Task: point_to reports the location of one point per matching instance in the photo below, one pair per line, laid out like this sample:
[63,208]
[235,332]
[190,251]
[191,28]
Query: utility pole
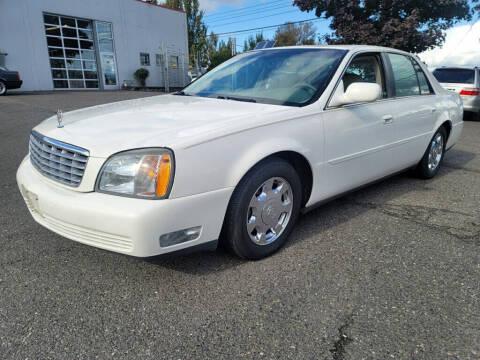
[233,44]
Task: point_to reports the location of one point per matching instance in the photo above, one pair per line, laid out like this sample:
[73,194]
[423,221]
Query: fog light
[181,236]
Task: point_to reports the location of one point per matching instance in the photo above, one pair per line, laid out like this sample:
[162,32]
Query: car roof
[350,48]
[456,67]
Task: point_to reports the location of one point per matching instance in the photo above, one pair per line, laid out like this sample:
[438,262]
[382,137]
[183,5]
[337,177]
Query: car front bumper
[121,224]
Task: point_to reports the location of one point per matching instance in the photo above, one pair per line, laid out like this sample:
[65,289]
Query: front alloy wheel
[269,211]
[263,210]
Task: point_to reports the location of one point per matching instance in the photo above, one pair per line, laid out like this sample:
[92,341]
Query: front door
[359,138]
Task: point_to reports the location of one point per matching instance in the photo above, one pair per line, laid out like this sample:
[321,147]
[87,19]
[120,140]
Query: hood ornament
[60,118]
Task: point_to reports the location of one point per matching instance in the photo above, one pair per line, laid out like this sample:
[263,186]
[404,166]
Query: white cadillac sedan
[240,152]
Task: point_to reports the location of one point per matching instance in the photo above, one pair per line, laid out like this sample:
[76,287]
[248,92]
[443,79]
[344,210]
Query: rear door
[416,105]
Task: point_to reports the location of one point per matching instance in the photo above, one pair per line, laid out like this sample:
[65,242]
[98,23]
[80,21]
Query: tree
[196,28]
[252,41]
[173,4]
[223,53]
[409,25]
[197,33]
[295,34]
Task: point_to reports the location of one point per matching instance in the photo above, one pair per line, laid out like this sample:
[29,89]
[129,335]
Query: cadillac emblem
[60,118]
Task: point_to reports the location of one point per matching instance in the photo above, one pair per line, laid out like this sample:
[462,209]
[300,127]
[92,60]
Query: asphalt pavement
[389,272]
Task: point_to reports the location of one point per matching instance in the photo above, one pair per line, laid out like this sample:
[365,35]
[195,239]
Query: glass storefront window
[71,33]
[104,30]
[68,22]
[90,75]
[87,45]
[88,55]
[107,53]
[106,45]
[56,53]
[84,24]
[74,64]
[72,52]
[76,84]
[57,63]
[91,84]
[85,34]
[60,84]
[109,69]
[52,30]
[54,41]
[51,19]
[89,65]
[59,74]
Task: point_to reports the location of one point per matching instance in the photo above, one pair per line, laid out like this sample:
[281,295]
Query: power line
[245,8]
[254,12]
[266,27]
[252,19]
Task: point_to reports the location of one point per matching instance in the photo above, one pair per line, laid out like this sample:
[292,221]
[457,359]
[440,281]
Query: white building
[92,44]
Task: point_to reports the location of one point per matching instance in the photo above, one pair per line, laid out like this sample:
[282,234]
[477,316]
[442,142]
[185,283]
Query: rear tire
[428,167]
[3,88]
[263,210]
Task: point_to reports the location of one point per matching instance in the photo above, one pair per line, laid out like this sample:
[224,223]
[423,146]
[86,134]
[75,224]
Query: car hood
[158,121]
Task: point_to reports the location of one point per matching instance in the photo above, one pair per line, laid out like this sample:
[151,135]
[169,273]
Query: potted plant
[141,76]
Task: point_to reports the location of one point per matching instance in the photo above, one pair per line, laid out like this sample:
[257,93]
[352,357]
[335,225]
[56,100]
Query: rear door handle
[387,119]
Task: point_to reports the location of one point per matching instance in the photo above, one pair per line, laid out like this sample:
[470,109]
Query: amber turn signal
[163,175]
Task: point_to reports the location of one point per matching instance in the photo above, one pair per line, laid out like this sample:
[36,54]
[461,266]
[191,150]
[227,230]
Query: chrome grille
[58,161]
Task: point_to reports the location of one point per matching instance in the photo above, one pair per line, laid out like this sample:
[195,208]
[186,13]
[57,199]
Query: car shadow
[318,221]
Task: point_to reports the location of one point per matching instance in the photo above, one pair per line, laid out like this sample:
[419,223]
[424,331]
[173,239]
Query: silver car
[464,81]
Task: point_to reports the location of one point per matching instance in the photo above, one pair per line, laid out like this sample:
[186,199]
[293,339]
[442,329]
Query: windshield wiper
[181,93]
[236,98]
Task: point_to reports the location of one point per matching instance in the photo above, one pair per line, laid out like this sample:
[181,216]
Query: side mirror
[356,93]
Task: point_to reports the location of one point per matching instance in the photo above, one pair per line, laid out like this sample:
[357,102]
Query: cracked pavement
[391,271]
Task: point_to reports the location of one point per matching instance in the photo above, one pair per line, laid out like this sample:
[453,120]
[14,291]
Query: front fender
[223,162]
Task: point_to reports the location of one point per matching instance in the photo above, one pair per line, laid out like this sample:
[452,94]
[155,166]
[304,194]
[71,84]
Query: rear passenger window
[405,76]
[425,88]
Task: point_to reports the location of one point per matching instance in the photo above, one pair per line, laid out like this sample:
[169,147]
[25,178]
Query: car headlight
[143,173]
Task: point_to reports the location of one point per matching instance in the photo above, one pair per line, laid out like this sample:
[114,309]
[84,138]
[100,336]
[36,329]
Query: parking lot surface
[391,271]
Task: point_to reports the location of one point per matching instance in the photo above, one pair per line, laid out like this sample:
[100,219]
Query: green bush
[141,76]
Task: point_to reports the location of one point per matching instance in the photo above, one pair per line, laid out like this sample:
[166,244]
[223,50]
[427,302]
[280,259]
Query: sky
[232,15]
[462,45]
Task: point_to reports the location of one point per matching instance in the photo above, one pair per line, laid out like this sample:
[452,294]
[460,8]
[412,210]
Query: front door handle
[387,119]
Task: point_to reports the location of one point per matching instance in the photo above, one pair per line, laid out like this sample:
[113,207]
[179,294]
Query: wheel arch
[295,158]
[448,128]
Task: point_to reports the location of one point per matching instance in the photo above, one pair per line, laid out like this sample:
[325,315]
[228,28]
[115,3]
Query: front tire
[263,210]
[433,157]
[3,88]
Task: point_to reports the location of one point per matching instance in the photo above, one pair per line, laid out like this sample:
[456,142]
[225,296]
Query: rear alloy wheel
[263,210]
[430,163]
[3,88]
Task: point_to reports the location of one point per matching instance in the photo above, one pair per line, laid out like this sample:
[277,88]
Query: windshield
[456,76]
[293,77]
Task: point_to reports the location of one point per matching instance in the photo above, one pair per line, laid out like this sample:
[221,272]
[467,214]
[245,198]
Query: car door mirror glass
[357,92]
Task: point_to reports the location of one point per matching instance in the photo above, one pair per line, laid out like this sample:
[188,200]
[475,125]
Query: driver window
[365,68]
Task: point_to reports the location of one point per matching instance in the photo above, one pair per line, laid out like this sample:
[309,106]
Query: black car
[9,80]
